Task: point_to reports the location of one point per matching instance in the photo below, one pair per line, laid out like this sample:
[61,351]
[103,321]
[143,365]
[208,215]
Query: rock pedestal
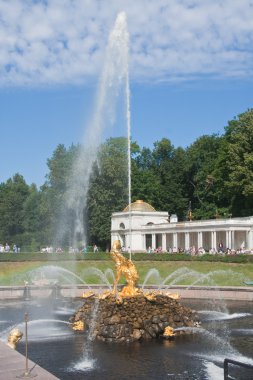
[133,318]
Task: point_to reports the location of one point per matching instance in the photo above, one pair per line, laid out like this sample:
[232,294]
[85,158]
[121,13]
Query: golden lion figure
[126,268]
[14,337]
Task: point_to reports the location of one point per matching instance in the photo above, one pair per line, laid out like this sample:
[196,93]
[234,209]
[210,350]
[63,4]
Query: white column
[187,240]
[214,241]
[200,240]
[143,242]
[153,241]
[250,239]
[175,243]
[128,242]
[229,239]
[164,245]
[232,239]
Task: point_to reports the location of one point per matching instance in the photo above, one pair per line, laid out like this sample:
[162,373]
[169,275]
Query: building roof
[139,206]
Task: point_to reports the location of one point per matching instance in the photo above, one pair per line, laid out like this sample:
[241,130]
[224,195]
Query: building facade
[142,228]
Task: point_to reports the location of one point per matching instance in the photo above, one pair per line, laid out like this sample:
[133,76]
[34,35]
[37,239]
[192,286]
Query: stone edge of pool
[244,293]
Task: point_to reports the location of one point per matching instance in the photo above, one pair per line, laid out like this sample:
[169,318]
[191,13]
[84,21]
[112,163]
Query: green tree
[204,184]
[170,167]
[32,219]
[239,163]
[13,195]
[108,190]
[36,219]
[53,202]
[145,181]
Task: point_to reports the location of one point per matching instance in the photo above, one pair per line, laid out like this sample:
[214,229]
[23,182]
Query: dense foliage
[214,175]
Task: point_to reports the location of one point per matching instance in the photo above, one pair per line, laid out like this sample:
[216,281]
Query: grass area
[180,272]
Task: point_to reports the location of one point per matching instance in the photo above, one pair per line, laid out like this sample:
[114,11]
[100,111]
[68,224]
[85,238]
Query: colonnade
[233,234]
[232,239]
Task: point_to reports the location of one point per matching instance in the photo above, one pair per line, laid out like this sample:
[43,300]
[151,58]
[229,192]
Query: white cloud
[63,41]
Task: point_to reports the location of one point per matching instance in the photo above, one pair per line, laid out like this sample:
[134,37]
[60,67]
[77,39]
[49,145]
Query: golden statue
[126,268]
[88,294]
[169,332]
[14,337]
[78,326]
[174,296]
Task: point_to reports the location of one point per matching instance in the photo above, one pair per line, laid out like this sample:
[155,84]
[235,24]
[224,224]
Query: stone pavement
[12,366]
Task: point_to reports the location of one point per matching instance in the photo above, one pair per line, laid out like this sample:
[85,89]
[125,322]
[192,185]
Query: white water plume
[109,274]
[85,364]
[46,329]
[152,274]
[93,271]
[88,361]
[185,275]
[220,316]
[179,274]
[50,275]
[113,79]
[208,277]
[213,371]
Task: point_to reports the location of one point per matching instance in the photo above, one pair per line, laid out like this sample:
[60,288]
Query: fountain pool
[225,333]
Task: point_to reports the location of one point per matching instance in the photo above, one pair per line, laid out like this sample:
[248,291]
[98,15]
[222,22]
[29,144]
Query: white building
[140,226]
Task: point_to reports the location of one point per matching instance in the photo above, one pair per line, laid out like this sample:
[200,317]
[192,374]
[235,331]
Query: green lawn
[180,272]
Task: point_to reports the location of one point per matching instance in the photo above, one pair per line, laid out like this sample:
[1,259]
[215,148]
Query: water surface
[226,332]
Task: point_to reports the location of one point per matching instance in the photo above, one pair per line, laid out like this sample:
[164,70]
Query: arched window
[122,226]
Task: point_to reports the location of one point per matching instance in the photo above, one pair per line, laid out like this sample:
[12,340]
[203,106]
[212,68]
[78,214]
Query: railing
[234,362]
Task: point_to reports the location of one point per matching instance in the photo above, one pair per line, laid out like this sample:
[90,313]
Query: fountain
[130,314]
[54,281]
[113,82]
[160,343]
[192,352]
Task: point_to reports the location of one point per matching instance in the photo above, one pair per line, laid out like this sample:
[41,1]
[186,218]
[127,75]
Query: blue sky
[191,70]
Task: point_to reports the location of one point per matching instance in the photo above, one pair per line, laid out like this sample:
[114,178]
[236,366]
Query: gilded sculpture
[124,267]
[168,332]
[14,337]
[78,326]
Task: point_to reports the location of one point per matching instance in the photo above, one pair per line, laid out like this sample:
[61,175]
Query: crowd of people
[6,248]
[72,250]
[193,251]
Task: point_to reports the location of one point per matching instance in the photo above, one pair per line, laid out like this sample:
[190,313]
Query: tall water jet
[113,79]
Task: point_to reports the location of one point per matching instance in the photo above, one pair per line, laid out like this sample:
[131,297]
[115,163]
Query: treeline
[213,176]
